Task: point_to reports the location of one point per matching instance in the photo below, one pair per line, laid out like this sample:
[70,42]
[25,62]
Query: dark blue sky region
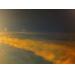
[40,20]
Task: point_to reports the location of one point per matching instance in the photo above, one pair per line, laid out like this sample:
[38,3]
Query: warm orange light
[57,53]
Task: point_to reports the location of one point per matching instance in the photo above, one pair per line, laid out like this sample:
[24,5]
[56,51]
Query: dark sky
[38,20]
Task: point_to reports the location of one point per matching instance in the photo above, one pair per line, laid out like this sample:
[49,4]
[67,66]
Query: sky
[45,20]
[37,20]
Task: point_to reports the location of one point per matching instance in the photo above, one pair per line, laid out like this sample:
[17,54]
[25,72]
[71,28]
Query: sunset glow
[57,53]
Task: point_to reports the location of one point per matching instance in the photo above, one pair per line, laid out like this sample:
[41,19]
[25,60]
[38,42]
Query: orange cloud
[57,53]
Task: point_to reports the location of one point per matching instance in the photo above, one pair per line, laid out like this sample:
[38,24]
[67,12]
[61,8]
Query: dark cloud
[40,20]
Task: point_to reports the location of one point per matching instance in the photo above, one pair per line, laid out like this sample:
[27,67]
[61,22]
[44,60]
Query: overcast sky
[38,20]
